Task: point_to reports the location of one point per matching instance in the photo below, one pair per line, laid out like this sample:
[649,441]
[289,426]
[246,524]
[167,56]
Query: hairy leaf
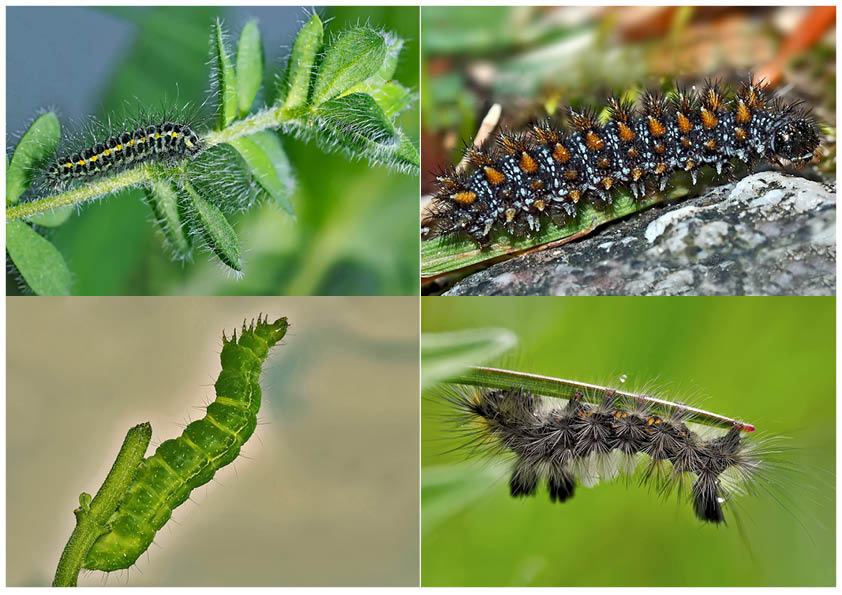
[39,262]
[226,79]
[34,150]
[215,229]
[249,66]
[269,165]
[357,54]
[163,200]
[359,125]
[295,86]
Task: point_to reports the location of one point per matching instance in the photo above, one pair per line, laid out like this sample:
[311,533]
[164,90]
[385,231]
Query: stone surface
[767,234]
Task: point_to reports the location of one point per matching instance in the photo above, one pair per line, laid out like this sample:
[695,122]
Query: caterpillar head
[795,140]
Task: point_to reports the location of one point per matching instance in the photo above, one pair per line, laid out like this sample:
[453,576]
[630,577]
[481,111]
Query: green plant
[138,496]
[338,93]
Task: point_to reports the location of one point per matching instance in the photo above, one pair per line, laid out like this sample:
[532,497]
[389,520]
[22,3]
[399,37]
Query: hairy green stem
[92,515]
[271,118]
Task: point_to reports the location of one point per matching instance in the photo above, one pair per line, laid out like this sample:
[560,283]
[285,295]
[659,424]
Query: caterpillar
[164,480]
[166,141]
[542,175]
[602,434]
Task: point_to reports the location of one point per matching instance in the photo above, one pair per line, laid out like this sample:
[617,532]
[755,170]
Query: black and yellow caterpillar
[166,141]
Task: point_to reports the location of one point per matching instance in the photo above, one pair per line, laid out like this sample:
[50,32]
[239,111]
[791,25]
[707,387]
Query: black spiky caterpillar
[541,175]
[164,480]
[563,442]
[167,141]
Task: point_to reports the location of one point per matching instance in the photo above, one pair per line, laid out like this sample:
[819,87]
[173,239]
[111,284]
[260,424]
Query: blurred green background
[769,361]
[356,226]
[326,492]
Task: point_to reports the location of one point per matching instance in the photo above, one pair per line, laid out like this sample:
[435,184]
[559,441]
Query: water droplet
[623,378]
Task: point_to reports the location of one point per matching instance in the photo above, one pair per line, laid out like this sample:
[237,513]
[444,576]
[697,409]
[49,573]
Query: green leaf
[52,218]
[357,54]
[361,128]
[394,45]
[163,200]
[249,66]
[443,255]
[215,229]
[269,165]
[392,97]
[295,87]
[384,74]
[34,150]
[226,79]
[445,355]
[357,117]
[406,153]
[39,262]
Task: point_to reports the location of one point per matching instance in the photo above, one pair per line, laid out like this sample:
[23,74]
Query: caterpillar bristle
[599,437]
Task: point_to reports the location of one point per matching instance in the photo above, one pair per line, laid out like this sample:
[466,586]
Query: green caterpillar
[165,480]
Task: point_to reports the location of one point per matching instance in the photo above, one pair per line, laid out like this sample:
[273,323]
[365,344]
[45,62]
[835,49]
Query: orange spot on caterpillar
[637,173]
[574,195]
[527,163]
[633,153]
[740,133]
[94,158]
[708,119]
[560,153]
[571,174]
[690,164]
[626,133]
[540,205]
[686,142]
[684,123]
[660,168]
[536,184]
[593,141]
[710,144]
[660,149]
[655,127]
[607,182]
[743,113]
[465,197]
[493,176]
[604,162]
[510,215]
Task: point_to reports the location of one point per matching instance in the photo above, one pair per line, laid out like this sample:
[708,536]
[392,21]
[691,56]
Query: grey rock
[767,234]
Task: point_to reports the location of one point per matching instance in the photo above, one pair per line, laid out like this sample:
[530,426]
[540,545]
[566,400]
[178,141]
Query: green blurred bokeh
[355,231]
[769,361]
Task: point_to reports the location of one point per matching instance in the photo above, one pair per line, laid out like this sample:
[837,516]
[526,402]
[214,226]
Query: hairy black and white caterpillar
[566,442]
[167,141]
[180,465]
[542,175]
